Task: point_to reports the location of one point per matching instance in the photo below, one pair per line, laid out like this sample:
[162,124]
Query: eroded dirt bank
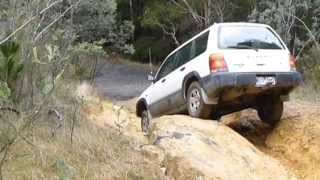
[239,147]
[295,141]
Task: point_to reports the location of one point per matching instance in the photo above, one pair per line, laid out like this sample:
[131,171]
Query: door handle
[182,69]
[163,80]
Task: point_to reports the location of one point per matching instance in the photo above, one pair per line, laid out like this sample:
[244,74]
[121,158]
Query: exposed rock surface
[190,148]
[197,148]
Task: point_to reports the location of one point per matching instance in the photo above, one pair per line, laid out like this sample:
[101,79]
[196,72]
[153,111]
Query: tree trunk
[132,17]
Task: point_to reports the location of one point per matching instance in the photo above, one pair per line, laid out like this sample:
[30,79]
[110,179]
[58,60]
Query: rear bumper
[216,83]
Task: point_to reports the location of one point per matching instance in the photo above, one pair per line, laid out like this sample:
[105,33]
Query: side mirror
[151,77]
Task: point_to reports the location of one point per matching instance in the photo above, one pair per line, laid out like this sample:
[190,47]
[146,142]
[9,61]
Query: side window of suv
[183,55]
[200,44]
[192,50]
[167,67]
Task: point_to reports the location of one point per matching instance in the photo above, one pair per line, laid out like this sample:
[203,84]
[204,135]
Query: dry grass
[307,93]
[96,152]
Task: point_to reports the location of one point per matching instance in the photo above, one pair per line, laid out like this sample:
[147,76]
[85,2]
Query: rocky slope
[195,148]
[239,147]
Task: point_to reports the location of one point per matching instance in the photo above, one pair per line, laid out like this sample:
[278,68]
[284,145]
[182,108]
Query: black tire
[216,117]
[197,109]
[270,111]
[145,121]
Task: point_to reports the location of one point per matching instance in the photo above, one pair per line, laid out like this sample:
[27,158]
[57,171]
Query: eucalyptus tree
[163,15]
[295,20]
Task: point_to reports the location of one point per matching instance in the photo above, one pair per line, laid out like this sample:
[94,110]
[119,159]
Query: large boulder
[189,148]
[206,149]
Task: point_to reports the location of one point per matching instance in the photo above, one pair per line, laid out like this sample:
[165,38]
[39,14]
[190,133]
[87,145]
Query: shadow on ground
[253,130]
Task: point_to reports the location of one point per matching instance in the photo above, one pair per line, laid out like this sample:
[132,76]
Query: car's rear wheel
[270,110]
[145,121]
[196,106]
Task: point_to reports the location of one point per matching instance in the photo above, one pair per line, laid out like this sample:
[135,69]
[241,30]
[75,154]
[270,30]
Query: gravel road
[121,82]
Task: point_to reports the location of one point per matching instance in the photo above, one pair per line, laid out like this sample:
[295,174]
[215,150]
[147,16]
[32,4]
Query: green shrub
[10,66]
[96,21]
[5,92]
[85,58]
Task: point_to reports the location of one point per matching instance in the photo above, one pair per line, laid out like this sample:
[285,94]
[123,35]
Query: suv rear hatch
[253,49]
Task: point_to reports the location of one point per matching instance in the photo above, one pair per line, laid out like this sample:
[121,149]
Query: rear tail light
[217,63]
[292,62]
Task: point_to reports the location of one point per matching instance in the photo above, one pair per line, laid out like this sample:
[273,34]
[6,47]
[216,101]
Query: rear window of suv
[248,37]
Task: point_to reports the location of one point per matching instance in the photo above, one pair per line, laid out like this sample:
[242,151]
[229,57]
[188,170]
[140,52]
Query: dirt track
[120,82]
[295,142]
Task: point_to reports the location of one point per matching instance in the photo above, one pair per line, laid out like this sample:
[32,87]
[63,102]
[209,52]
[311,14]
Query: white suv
[226,68]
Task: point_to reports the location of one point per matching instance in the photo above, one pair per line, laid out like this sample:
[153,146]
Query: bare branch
[50,6]
[303,48]
[41,19]
[170,31]
[56,20]
[178,5]
[186,7]
[17,30]
[29,21]
[307,28]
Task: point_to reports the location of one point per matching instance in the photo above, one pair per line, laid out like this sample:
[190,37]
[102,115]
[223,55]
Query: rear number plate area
[263,81]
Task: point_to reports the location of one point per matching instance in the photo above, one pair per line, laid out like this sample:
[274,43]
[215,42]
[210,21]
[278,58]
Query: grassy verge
[306,93]
[95,152]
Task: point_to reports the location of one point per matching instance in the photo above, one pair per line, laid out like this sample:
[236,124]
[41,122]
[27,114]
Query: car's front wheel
[145,121]
[196,106]
[270,110]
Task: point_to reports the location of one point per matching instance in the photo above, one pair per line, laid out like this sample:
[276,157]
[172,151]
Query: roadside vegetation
[49,47]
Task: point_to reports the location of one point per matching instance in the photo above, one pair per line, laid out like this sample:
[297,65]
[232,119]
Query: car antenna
[150,61]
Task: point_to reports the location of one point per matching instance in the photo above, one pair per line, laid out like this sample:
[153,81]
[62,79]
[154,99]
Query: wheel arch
[188,79]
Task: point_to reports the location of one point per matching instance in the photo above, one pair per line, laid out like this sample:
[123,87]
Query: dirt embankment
[295,142]
[239,147]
